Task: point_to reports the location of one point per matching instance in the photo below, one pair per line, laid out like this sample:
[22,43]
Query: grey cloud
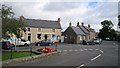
[61,6]
[53,10]
[22,8]
[119,7]
[104,10]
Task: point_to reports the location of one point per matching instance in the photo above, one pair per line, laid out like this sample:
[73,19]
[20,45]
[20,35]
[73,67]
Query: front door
[29,37]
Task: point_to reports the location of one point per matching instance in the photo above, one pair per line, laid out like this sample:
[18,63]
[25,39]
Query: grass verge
[6,55]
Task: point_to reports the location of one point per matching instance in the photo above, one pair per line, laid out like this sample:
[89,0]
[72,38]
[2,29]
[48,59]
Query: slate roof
[43,23]
[77,30]
[89,29]
[84,29]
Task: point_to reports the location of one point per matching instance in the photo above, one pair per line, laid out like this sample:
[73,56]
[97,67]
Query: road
[80,56]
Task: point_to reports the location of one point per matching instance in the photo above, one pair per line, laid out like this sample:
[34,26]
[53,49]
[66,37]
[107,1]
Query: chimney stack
[78,24]
[82,24]
[59,20]
[70,24]
[89,25]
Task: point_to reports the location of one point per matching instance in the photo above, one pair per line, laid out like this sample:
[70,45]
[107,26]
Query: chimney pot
[59,20]
[89,25]
[70,24]
[77,23]
[82,24]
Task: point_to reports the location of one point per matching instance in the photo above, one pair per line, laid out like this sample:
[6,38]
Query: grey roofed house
[43,23]
[77,30]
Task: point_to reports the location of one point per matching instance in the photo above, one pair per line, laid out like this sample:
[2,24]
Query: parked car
[108,39]
[84,42]
[6,45]
[97,41]
[90,42]
[18,41]
[23,42]
[44,43]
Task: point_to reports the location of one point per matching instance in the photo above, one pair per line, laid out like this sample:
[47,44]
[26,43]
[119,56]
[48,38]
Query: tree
[10,25]
[7,12]
[107,31]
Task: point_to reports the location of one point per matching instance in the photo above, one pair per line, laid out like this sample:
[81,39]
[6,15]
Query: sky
[89,11]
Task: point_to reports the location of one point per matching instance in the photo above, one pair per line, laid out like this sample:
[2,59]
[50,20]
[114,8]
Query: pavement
[78,55]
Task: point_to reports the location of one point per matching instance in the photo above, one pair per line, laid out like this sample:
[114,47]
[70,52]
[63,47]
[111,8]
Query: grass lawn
[7,54]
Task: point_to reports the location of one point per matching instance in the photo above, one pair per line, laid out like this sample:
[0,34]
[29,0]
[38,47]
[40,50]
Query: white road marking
[81,66]
[85,49]
[101,51]
[59,51]
[70,50]
[96,49]
[64,50]
[96,57]
[81,49]
[76,50]
[90,49]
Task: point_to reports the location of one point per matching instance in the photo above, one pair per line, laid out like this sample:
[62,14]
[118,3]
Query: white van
[19,42]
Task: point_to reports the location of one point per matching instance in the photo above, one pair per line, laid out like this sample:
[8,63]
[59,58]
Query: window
[39,36]
[53,35]
[23,40]
[28,29]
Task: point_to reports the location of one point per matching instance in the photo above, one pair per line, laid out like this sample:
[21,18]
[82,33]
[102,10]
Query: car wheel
[26,44]
[12,45]
[50,44]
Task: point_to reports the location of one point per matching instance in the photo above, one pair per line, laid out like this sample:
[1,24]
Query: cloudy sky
[89,12]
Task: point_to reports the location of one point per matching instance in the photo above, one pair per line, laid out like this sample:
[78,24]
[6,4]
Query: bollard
[11,53]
